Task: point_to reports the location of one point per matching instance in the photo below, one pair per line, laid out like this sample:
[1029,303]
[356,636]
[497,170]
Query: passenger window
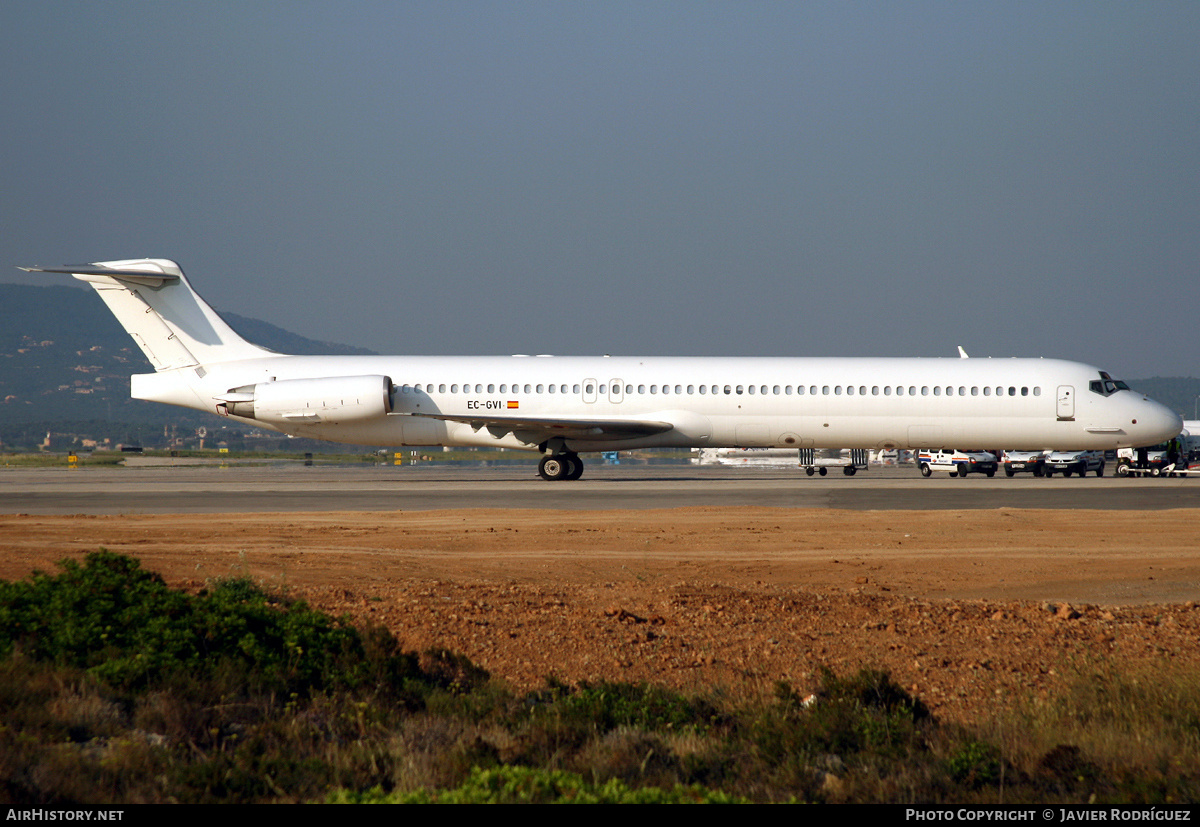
[575,388]
[539,388]
[937,391]
[1024,391]
[728,390]
[703,388]
[1012,391]
[441,388]
[1037,391]
[641,388]
[654,389]
[454,389]
[749,389]
[550,388]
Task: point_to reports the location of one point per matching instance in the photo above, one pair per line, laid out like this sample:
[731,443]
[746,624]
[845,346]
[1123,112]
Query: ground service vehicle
[1171,457]
[820,460]
[958,463]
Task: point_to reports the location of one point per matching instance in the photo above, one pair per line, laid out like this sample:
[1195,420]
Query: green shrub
[602,707]
[124,626]
[520,785]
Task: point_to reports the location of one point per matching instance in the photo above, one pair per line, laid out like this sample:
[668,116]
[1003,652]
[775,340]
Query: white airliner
[563,406]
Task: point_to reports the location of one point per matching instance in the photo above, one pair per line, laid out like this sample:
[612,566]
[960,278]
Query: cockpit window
[1106,385]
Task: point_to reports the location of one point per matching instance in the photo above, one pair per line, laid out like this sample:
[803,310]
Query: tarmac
[294,487]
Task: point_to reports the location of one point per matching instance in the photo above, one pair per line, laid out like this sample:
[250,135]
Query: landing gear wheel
[554,468]
[849,470]
[576,468]
[1123,468]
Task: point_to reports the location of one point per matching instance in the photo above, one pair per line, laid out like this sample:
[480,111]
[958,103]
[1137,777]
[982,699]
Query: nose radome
[1161,423]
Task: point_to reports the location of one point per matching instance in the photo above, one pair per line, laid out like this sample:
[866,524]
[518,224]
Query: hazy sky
[782,178]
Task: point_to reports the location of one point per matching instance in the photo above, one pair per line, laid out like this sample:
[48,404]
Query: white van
[1075,462]
[958,463]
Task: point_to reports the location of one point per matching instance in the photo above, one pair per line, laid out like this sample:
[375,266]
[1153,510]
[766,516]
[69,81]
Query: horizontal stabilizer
[153,301]
[135,276]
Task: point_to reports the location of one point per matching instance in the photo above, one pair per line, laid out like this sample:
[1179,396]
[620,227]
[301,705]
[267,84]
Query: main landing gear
[561,467]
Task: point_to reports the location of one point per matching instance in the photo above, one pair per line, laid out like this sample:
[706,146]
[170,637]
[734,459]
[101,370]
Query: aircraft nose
[1156,422]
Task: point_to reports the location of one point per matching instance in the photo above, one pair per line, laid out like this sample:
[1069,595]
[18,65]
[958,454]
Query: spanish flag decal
[512,405]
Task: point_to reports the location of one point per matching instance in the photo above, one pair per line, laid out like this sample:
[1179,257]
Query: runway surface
[289,487]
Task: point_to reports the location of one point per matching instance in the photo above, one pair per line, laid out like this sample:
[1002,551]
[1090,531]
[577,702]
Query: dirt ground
[969,609]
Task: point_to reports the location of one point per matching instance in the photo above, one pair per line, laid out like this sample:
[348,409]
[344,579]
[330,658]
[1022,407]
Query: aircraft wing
[567,428]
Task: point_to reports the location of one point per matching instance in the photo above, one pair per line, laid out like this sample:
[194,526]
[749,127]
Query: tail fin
[156,305]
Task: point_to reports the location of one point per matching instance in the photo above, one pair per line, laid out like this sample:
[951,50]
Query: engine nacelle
[329,401]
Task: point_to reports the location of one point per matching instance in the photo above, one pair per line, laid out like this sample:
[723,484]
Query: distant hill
[64,358]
